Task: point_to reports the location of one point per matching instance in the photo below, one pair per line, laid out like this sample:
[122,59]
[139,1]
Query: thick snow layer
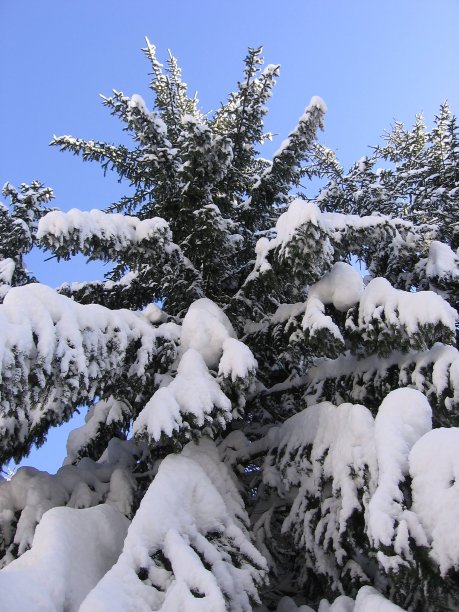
[7,267]
[287,604]
[285,312]
[442,262]
[30,493]
[204,329]
[339,222]
[342,286]
[403,417]
[333,461]
[44,335]
[340,604]
[154,314]
[368,600]
[194,393]
[122,231]
[395,307]
[434,468]
[328,453]
[340,437]
[299,213]
[237,360]
[178,551]
[207,342]
[71,551]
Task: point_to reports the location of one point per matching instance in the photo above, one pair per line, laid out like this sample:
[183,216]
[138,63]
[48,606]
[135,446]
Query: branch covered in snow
[195,399]
[31,493]
[187,546]
[434,372]
[55,354]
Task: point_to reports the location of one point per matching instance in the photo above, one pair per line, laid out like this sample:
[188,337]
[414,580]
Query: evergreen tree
[265,428]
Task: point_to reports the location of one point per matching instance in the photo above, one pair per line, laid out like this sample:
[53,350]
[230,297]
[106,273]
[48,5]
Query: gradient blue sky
[372,62]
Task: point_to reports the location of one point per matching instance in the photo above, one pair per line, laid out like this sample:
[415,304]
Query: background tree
[293,464]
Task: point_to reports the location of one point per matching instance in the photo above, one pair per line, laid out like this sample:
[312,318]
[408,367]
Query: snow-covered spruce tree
[265,429]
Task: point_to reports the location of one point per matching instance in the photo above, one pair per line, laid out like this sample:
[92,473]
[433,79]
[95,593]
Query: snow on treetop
[317,102]
[272,69]
[136,101]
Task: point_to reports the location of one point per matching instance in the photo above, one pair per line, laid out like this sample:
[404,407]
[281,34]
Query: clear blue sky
[372,62]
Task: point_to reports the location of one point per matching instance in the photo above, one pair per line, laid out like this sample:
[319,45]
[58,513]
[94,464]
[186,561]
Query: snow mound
[442,261]
[237,360]
[72,550]
[204,329]
[369,598]
[403,417]
[179,548]
[342,286]
[434,468]
[30,493]
[194,398]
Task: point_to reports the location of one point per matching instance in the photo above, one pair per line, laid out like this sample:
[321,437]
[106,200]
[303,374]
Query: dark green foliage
[18,227]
